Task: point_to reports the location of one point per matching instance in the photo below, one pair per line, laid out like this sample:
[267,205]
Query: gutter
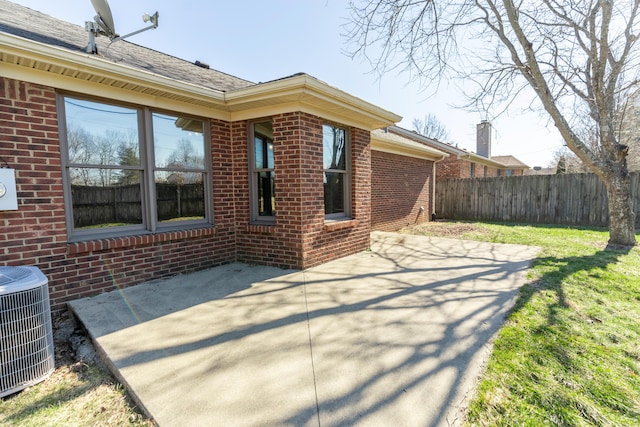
[433,196]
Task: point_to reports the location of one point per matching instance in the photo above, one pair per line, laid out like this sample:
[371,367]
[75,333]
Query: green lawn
[569,352]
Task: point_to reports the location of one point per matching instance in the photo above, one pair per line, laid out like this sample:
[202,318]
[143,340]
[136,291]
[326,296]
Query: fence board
[94,205]
[572,199]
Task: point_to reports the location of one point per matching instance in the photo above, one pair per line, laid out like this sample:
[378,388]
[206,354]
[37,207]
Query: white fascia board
[394,144]
[310,91]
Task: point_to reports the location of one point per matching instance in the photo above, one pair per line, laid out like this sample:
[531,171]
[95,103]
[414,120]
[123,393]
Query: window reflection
[179,148]
[178,199]
[333,193]
[333,141]
[334,145]
[111,182]
[178,142]
[262,174]
[102,199]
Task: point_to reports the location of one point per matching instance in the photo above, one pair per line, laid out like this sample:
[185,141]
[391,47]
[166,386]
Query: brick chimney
[483,139]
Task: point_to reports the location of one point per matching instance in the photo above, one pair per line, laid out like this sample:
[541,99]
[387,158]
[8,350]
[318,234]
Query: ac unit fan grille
[26,339]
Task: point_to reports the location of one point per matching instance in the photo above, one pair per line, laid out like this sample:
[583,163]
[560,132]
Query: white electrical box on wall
[8,193]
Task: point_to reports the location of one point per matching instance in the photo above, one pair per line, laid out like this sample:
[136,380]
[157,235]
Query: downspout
[433,192]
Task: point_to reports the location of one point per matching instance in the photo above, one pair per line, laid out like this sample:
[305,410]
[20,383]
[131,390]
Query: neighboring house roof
[501,162]
[443,146]
[510,162]
[37,48]
[382,140]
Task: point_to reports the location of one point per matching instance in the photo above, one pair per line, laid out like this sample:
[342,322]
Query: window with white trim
[337,172]
[131,170]
[262,173]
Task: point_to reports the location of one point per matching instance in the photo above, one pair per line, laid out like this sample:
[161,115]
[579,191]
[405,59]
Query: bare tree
[565,161]
[81,148]
[430,126]
[630,130]
[575,59]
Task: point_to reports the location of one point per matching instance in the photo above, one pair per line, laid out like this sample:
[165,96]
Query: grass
[76,394]
[569,352]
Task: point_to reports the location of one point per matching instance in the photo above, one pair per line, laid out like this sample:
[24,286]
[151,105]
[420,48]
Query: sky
[263,40]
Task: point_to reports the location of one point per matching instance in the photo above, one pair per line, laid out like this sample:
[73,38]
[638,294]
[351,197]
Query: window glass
[266,197]
[333,141]
[263,152]
[121,179]
[336,177]
[103,150]
[102,198]
[178,142]
[179,157]
[263,201]
[333,193]
[179,196]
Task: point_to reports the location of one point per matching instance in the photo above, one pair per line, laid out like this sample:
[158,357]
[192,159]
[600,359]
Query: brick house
[132,165]
[465,164]
[147,165]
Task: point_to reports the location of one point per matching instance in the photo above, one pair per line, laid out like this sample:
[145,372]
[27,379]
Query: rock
[86,353]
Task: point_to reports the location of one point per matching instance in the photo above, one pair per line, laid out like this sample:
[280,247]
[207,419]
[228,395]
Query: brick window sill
[340,224]
[137,241]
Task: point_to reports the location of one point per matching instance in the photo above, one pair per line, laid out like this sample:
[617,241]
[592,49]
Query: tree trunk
[622,228]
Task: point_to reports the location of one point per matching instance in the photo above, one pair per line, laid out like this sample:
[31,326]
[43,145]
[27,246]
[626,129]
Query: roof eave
[52,60]
[308,94]
[482,160]
[395,146]
[37,62]
[438,145]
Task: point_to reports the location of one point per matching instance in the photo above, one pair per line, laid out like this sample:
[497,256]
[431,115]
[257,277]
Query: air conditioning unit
[26,338]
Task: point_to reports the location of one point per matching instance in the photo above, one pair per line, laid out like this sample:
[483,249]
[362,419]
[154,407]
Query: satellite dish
[103,24]
[104,18]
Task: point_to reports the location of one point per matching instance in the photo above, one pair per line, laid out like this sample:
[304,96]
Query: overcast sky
[262,40]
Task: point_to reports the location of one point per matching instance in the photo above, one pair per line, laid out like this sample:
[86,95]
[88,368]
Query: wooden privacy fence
[122,204]
[573,199]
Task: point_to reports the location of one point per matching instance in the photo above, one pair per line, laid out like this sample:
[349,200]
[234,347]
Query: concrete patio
[397,335]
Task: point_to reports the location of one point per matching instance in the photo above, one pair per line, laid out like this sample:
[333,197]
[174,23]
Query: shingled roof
[510,162]
[24,22]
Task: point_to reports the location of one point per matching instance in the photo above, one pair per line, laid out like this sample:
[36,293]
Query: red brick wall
[400,186]
[325,241]
[450,167]
[300,238]
[491,172]
[35,234]
[279,244]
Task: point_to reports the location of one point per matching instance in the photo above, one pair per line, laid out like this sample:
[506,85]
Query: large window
[261,169]
[337,180]
[130,169]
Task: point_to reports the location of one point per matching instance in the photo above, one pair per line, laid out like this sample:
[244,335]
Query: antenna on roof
[103,24]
